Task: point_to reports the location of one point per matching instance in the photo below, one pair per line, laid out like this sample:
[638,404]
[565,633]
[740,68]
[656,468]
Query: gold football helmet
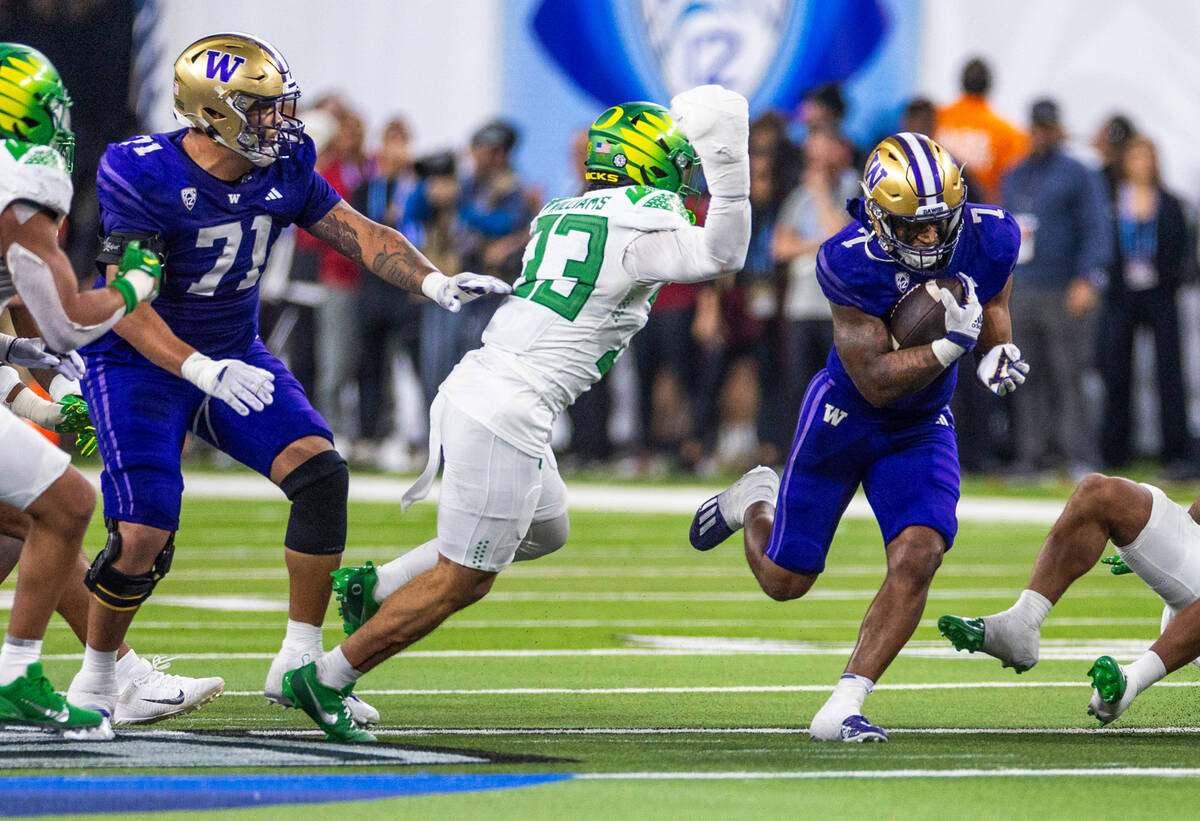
[239,91]
[912,184]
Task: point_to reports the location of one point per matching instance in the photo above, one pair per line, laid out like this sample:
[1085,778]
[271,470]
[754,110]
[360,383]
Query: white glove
[30,352]
[453,292]
[716,122]
[963,324]
[240,386]
[1002,369]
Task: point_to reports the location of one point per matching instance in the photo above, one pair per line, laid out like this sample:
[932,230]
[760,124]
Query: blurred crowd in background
[716,379]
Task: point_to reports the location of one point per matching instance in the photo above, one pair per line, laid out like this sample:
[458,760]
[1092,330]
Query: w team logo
[188,195]
[223,64]
[771,51]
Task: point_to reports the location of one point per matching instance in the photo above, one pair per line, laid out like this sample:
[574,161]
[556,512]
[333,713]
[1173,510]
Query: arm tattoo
[881,375]
[391,256]
[338,234]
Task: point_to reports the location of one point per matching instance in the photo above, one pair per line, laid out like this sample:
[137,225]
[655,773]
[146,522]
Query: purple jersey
[853,270]
[215,235]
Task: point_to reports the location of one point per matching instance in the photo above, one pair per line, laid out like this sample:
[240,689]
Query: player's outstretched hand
[1116,565]
[1002,369]
[139,273]
[241,386]
[453,292]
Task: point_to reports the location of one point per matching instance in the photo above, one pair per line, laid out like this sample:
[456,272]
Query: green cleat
[355,587]
[964,634]
[31,700]
[324,705]
[1108,679]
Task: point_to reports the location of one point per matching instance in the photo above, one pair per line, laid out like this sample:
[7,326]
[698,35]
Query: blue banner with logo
[564,61]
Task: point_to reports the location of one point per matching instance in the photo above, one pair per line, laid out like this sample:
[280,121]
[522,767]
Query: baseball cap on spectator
[1044,112]
[496,134]
[1119,130]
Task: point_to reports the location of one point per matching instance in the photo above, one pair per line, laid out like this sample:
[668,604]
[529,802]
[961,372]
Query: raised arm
[389,255]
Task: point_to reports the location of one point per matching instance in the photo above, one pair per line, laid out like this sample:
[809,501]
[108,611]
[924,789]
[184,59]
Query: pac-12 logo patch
[188,195]
[902,282]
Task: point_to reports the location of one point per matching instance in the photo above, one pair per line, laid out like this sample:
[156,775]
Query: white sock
[334,671]
[302,637]
[1031,607]
[399,572]
[1145,671]
[15,657]
[99,663]
[127,667]
[853,690]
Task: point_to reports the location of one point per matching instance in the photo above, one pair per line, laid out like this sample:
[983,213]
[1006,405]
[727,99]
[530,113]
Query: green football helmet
[34,104]
[638,144]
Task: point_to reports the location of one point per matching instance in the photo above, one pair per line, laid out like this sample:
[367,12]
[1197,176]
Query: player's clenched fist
[241,386]
[717,123]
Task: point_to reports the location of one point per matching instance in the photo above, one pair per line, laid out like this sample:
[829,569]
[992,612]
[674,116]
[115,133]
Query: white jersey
[571,314]
[36,174]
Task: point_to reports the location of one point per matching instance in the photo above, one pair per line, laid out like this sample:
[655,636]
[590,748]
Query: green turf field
[671,687]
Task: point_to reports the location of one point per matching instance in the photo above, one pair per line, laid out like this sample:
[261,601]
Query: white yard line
[750,688]
[634,731]
[1013,772]
[599,497]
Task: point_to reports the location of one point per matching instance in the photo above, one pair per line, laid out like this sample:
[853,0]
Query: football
[919,317]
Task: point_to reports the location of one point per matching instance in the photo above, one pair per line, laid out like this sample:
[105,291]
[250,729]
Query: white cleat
[150,695]
[720,516]
[364,714]
[93,692]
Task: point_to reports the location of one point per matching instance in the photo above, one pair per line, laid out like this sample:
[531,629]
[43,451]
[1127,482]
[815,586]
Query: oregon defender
[592,268]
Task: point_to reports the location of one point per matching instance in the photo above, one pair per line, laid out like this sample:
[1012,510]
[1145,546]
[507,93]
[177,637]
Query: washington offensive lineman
[592,269]
[213,197]
[36,151]
[879,417]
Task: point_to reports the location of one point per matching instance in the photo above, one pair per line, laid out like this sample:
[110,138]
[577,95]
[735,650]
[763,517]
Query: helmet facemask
[270,127]
[899,235]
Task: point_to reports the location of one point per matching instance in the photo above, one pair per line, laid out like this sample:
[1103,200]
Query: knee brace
[116,590]
[543,538]
[318,490]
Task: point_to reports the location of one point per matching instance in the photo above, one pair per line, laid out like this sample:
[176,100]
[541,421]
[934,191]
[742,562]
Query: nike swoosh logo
[174,701]
[326,718]
[61,716]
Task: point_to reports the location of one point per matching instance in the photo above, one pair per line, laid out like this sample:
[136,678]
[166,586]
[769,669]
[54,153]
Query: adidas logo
[274,194]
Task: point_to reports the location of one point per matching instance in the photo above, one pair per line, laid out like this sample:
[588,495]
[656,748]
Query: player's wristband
[9,379]
[126,289]
[947,351]
[432,284]
[28,405]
